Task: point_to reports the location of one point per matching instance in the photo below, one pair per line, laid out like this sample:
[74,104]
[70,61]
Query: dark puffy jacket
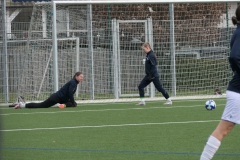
[234,60]
[151,64]
[67,91]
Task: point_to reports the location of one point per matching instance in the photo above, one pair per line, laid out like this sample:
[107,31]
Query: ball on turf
[210,105]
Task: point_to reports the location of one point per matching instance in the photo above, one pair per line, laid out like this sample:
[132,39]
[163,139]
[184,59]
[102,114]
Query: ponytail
[236,19]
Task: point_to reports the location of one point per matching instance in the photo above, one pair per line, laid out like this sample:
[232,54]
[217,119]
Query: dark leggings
[52,100]
[157,84]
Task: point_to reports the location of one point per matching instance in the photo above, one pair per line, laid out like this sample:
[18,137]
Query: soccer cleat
[141,103]
[17,106]
[19,102]
[168,102]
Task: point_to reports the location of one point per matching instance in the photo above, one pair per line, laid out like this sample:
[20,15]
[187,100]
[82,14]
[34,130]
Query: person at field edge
[231,113]
[63,96]
[151,75]
[1,133]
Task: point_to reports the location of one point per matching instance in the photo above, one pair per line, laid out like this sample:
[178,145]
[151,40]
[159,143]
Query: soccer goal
[31,65]
[103,40]
[34,79]
[189,38]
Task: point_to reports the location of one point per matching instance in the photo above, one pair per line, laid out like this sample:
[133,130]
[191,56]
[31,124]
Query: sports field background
[115,131]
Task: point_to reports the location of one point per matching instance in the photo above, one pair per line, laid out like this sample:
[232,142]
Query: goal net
[190,41]
[31,63]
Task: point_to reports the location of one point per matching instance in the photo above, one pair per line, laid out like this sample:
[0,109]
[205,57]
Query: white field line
[122,100]
[111,125]
[148,100]
[185,98]
[102,110]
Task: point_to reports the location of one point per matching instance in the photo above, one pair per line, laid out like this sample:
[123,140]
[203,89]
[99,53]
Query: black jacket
[67,91]
[151,64]
[234,60]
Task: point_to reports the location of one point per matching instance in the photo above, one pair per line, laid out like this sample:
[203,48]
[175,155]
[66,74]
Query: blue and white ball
[210,105]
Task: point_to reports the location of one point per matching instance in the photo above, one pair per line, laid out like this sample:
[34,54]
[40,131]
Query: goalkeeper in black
[63,96]
[151,75]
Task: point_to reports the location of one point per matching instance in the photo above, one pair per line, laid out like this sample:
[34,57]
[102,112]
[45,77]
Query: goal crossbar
[140,1]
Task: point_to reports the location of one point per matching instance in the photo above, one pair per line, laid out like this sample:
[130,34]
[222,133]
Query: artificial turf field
[115,131]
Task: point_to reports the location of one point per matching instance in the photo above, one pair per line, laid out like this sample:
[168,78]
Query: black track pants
[157,84]
[52,100]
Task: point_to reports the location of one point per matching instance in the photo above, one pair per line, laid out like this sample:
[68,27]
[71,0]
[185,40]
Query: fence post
[172,48]
[90,49]
[4,51]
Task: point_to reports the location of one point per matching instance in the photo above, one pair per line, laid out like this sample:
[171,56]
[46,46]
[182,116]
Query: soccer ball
[210,105]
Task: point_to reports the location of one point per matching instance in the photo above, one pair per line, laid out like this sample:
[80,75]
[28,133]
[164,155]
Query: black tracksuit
[151,70]
[63,96]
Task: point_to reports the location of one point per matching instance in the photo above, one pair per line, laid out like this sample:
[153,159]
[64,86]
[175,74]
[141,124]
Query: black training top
[67,91]
[151,64]
[234,60]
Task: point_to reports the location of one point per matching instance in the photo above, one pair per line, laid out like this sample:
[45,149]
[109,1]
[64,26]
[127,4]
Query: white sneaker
[17,106]
[141,103]
[168,102]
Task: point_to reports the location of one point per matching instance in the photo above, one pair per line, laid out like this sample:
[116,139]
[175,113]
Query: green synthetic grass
[115,131]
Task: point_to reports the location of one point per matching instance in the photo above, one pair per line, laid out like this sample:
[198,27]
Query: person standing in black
[63,96]
[151,75]
[1,138]
[231,114]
